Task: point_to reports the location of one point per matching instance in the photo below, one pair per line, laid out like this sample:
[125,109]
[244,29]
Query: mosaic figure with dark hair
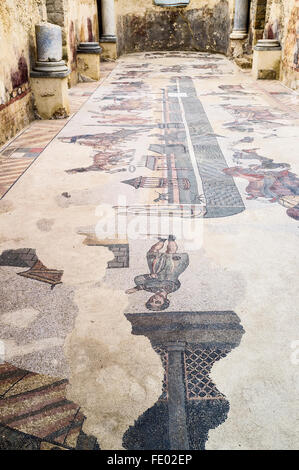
[165,269]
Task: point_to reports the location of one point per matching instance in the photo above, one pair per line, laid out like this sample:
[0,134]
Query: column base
[89,48]
[237,35]
[109,50]
[88,60]
[89,66]
[51,96]
[50,69]
[108,38]
[266,60]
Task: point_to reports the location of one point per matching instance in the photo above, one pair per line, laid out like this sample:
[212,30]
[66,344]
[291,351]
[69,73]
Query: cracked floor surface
[148,262]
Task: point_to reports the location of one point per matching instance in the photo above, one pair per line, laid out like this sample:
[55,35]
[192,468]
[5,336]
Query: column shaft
[240,29]
[108,21]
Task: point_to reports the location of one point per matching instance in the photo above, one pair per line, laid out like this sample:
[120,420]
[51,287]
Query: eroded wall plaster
[202,25]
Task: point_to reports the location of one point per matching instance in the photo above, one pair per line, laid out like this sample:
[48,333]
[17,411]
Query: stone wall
[79,22]
[282,23]
[256,26]
[258,19]
[17,20]
[274,27]
[203,25]
[273,19]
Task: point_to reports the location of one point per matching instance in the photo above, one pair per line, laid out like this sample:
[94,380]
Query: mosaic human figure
[276,186]
[165,269]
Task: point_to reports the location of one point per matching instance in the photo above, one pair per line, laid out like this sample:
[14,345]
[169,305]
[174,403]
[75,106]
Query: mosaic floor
[18,154]
[148,264]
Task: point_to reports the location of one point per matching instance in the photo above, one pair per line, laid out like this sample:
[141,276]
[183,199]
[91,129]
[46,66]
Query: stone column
[49,76]
[108,37]
[108,21]
[240,30]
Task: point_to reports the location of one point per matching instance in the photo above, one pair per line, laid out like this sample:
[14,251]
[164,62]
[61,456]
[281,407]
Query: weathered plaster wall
[17,20]
[203,25]
[282,23]
[256,25]
[79,22]
[258,16]
[274,27]
[81,26]
[274,19]
[290,60]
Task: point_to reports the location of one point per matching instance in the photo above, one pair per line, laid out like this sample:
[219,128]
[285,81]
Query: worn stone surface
[48,42]
[290,61]
[275,19]
[89,65]
[266,64]
[51,97]
[210,155]
[201,26]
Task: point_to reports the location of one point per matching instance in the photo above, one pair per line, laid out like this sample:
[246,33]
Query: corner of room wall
[274,19]
[17,22]
[79,22]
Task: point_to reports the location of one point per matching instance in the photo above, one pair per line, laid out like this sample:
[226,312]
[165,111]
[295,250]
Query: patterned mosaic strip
[16,157]
[35,413]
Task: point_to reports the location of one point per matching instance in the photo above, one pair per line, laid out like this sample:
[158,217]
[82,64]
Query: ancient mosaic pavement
[148,267]
[18,154]
[35,414]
